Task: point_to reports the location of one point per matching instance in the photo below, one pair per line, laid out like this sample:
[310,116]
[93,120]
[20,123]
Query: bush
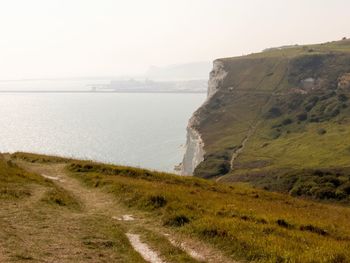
[284,223]
[338,258]
[327,96]
[335,112]
[177,220]
[321,131]
[325,193]
[287,121]
[157,201]
[214,232]
[333,180]
[274,112]
[346,188]
[340,195]
[302,116]
[342,97]
[314,229]
[275,134]
[311,103]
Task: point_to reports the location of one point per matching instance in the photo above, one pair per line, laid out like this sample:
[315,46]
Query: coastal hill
[56,209]
[279,119]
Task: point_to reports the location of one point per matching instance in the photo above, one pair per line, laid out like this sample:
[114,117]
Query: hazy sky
[67,38]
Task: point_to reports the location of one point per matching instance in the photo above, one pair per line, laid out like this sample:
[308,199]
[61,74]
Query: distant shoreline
[91,91]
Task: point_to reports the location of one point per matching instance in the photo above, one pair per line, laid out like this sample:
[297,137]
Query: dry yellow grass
[243,223]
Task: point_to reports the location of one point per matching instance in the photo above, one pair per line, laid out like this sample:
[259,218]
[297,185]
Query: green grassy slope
[289,125]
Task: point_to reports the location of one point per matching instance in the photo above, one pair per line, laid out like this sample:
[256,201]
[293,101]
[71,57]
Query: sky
[92,38]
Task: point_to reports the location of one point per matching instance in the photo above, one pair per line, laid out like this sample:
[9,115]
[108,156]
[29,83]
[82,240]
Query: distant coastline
[101,91]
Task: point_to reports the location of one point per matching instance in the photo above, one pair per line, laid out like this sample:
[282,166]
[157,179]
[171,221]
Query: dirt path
[96,204]
[241,148]
[237,152]
[102,208]
[145,251]
[35,231]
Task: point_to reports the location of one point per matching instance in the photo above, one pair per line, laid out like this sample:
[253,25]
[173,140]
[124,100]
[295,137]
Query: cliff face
[271,111]
[194,153]
[217,75]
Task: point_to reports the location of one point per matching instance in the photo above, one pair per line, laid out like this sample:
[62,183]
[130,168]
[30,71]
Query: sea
[145,130]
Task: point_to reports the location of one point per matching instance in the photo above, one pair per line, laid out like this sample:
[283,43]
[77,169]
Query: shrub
[303,188]
[340,195]
[311,103]
[333,180]
[274,112]
[284,223]
[338,258]
[318,173]
[346,188]
[302,116]
[287,121]
[214,232]
[325,193]
[321,131]
[342,97]
[328,95]
[295,102]
[157,201]
[177,220]
[314,229]
[275,134]
[335,112]
[315,119]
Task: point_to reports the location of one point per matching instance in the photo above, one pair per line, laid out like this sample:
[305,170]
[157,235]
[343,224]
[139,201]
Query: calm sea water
[146,130]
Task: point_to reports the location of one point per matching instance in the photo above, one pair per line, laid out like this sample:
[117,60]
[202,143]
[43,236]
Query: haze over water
[146,130]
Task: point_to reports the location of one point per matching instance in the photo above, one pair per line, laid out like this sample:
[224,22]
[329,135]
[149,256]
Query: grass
[246,223]
[15,183]
[291,161]
[42,221]
[297,127]
[104,238]
[164,247]
[57,196]
[39,158]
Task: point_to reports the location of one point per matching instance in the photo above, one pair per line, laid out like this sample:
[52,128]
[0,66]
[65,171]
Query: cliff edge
[275,116]
[194,153]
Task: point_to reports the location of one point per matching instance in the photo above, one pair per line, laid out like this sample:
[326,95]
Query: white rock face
[194,154]
[217,75]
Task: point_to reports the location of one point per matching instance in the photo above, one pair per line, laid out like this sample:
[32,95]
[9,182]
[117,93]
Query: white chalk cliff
[217,75]
[194,153]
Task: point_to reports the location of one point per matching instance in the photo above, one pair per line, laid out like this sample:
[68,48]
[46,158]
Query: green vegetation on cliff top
[284,116]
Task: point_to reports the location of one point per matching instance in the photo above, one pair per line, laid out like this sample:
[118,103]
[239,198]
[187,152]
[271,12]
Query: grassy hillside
[17,184]
[282,113]
[244,223]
